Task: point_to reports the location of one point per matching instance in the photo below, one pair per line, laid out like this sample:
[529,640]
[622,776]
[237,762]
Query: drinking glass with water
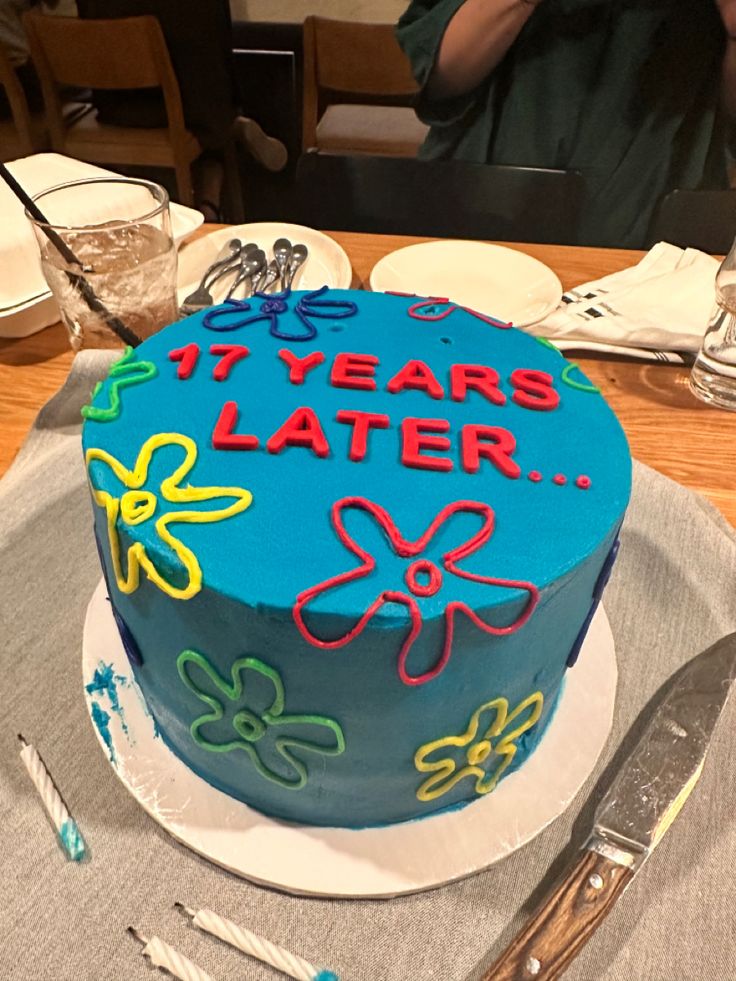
[128,259]
[713,376]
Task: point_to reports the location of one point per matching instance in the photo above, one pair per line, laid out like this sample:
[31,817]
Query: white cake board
[372,862]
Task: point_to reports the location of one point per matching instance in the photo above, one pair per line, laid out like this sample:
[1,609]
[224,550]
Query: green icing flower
[582,386]
[123,372]
[257,731]
[547,343]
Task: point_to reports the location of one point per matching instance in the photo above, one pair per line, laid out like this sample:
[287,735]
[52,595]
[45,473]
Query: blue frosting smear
[554,535]
[101,720]
[72,840]
[105,681]
[325,976]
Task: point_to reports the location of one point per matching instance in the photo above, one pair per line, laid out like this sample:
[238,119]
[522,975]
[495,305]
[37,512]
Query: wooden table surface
[667,427]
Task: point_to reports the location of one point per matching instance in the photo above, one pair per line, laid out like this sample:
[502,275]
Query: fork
[226,261]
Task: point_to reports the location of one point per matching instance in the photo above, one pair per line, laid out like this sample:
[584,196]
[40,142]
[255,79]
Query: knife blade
[637,810]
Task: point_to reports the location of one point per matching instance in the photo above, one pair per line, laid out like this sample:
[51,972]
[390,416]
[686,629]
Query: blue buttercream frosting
[105,682]
[551,536]
[101,719]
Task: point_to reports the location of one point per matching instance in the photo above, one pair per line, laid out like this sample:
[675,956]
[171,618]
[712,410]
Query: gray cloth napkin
[671,594]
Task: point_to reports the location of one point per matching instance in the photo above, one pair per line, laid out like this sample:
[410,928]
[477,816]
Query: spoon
[234,266]
[251,263]
[282,253]
[298,258]
[229,266]
[269,275]
[228,254]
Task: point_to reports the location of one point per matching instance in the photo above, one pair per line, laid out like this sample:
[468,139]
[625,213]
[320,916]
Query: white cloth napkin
[658,309]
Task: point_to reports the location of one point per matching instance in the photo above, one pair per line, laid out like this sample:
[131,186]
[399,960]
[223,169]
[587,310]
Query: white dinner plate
[327,263]
[26,303]
[492,279]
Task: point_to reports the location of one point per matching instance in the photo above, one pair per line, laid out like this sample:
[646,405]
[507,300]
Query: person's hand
[728,16]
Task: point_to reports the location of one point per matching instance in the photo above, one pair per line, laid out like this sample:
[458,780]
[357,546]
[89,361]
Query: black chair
[450,198]
[697,219]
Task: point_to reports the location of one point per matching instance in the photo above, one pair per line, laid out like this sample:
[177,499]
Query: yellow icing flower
[137,504]
[484,740]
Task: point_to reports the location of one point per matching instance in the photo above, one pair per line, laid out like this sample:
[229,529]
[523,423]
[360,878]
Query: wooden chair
[23,134]
[129,53]
[696,219]
[358,90]
[446,198]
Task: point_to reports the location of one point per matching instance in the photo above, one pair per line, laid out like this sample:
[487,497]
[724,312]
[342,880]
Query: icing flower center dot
[137,506]
[479,752]
[274,306]
[423,578]
[248,726]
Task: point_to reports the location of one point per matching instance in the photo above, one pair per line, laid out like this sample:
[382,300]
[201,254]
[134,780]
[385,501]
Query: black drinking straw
[76,279]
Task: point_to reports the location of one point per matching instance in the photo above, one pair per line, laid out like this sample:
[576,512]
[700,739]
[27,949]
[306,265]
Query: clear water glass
[713,376]
[129,259]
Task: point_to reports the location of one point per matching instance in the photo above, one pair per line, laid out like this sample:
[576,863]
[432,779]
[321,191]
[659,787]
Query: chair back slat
[99,54]
[346,61]
[361,59]
[121,53]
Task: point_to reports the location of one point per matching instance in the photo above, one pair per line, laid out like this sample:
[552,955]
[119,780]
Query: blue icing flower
[600,585]
[272,306]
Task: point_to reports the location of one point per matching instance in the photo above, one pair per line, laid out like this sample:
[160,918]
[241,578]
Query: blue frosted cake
[352,543]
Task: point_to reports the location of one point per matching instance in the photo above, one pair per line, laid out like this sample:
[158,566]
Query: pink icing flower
[423,578]
[438,307]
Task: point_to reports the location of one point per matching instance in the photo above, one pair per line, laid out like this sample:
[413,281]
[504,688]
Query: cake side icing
[386,622]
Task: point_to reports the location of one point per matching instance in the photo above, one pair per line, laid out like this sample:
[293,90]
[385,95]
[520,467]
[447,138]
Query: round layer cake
[352,542]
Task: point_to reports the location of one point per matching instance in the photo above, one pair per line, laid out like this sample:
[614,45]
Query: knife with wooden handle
[639,807]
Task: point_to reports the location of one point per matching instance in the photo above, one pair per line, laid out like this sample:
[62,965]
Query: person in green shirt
[635,94]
